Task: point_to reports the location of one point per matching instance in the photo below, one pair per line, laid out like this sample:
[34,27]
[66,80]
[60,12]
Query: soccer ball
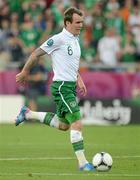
[102,161]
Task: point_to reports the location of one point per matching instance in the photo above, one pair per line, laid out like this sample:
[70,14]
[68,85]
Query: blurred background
[110,57]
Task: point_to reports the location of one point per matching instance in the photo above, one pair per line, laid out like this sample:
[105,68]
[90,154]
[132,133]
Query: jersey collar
[68,33]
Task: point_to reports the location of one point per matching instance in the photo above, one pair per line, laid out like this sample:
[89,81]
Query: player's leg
[76,139]
[68,106]
[47,118]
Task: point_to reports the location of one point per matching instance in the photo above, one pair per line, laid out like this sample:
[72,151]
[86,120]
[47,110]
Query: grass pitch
[38,152]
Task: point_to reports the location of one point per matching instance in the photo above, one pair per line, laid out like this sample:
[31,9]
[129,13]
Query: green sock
[51,119]
[79,151]
[78,145]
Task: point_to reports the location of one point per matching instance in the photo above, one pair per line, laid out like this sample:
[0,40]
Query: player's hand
[82,89]
[21,78]
[81,86]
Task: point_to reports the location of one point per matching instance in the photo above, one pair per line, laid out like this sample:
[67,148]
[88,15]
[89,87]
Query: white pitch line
[126,157]
[36,158]
[70,174]
[58,158]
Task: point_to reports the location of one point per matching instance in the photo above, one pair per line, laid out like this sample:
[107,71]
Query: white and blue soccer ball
[102,161]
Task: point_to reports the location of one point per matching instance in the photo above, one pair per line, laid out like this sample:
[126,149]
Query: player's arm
[81,85]
[33,59]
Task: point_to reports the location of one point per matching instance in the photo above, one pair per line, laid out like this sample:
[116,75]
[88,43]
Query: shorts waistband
[65,82]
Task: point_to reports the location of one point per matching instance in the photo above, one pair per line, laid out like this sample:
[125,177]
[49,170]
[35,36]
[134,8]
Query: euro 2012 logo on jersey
[50,42]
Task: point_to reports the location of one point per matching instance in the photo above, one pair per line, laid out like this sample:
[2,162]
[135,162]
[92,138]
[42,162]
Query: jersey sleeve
[51,44]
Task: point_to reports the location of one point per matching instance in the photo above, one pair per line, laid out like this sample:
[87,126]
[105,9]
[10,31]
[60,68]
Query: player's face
[76,25]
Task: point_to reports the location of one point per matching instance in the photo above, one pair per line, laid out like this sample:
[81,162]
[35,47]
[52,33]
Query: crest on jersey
[73,104]
[50,42]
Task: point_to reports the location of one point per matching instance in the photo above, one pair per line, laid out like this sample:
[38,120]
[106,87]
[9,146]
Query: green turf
[41,153]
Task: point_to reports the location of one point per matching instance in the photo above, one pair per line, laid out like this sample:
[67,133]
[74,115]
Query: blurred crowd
[111,33]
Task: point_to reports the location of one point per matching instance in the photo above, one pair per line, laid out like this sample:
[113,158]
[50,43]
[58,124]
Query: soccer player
[65,54]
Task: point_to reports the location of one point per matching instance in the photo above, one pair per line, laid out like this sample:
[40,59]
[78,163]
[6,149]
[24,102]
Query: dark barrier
[106,112]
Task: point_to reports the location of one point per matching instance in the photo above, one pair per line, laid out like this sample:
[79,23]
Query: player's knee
[77,125]
[64,127]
